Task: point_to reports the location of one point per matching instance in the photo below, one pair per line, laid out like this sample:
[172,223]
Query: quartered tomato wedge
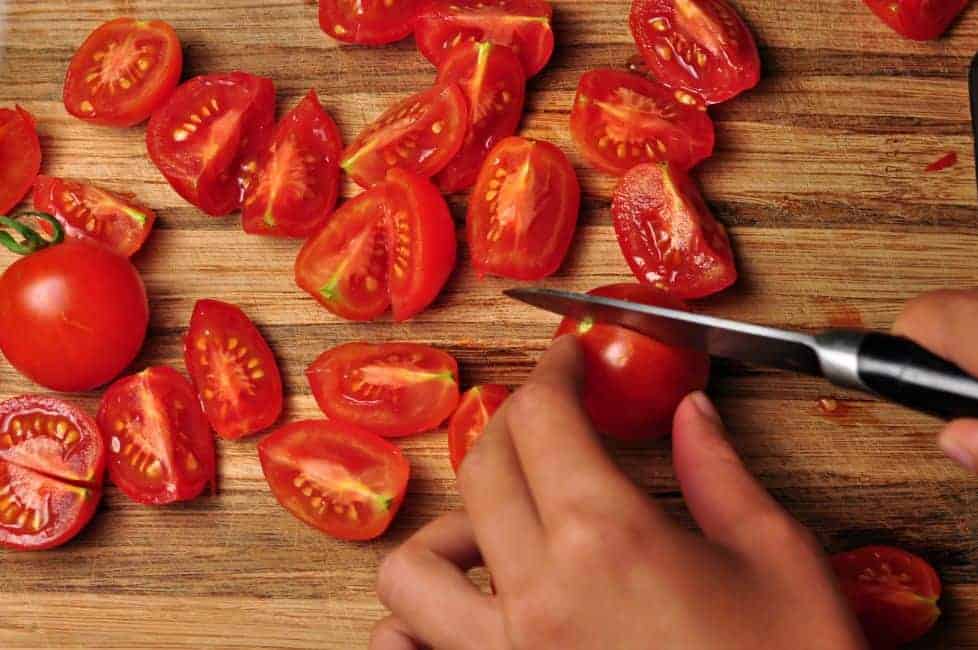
[493,82]
[87,212]
[477,407]
[347,482]
[920,20]
[20,156]
[203,134]
[123,71]
[297,174]
[620,120]
[368,22]
[668,235]
[234,370]
[523,211]
[521,25]
[160,447]
[702,46]
[392,389]
[420,134]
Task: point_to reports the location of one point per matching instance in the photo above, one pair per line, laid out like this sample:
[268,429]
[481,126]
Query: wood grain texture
[818,172]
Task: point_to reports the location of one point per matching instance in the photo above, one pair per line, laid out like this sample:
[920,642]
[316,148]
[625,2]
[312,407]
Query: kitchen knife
[891,367]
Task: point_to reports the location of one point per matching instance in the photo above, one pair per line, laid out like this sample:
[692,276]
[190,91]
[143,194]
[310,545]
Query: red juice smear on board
[950,159]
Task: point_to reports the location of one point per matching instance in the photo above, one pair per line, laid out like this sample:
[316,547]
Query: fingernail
[959,453]
[704,406]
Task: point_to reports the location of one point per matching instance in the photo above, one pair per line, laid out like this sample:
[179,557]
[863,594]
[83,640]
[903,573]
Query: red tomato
[234,370]
[523,211]
[521,25]
[420,134]
[367,22]
[392,389]
[123,71]
[160,447]
[87,212]
[72,316]
[475,410]
[620,120]
[203,134]
[703,46]
[920,20]
[393,244]
[20,156]
[668,235]
[297,175]
[893,593]
[633,384]
[493,82]
[345,481]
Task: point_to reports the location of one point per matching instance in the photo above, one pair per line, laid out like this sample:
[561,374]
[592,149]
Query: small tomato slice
[392,389]
[234,370]
[347,482]
[477,407]
[420,134]
[368,22]
[123,71]
[668,235]
[893,593]
[620,120]
[523,211]
[160,447]
[702,46]
[206,131]
[20,156]
[521,25]
[920,20]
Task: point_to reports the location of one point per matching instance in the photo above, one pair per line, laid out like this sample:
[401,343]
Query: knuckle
[393,572]
[778,530]
[600,540]
[533,397]
[537,622]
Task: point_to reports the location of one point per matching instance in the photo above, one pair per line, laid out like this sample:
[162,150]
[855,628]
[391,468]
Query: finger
[959,440]
[392,634]
[944,323]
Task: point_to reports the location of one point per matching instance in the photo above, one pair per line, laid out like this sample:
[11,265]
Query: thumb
[960,442]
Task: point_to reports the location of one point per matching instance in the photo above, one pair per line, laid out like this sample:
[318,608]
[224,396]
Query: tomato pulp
[20,156]
[920,20]
[368,22]
[469,422]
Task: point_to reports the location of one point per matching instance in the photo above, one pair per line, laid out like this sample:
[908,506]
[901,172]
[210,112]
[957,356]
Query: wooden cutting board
[819,173]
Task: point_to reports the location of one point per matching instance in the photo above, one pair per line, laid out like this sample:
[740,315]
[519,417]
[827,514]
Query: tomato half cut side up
[523,211]
[702,46]
[347,482]
[919,20]
[368,22]
[392,389]
[620,120]
[234,370]
[160,447]
[469,422]
[123,71]
[20,156]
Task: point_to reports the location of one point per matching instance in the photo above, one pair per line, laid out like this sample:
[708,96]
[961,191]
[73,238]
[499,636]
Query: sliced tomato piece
[347,482]
[702,46]
[201,137]
[420,134]
[523,211]
[477,407]
[160,447]
[234,370]
[521,25]
[920,20]
[20,156]
[123,71]
[668,235]
[368,22]
[392,389]
[620,120]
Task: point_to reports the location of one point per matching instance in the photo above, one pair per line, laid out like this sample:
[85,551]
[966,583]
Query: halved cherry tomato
[205,131]
[123,71]
[920,20]
[523,211]
[234,370]
[20,156]
[493,82]
[393,244]
[420,134]
[160,447]
[702,46]
[668,235]
[633,384]
[347,482]
[297,175]
[368,22]
[392,389]
[477,407]
[620,120]
[521,25]
[893,593]
[86,212]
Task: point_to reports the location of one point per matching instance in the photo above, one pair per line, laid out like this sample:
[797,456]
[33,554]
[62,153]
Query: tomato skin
[135,92]
[893,593]
[373,471]
[919,20]
[633,384]
[20,156]
[367,22]
[72,316]
[469,422]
